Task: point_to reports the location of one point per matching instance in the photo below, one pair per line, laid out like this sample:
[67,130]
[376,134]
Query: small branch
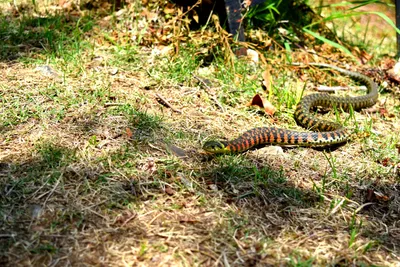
[52,190]
[111,104]
[202,82]
[165,103]
[209,89]
[129,219]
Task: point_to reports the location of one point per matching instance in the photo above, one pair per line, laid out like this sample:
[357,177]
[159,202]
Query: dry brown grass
[90,172]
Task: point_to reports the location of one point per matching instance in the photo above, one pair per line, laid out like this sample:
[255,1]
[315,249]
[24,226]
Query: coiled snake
[323,132]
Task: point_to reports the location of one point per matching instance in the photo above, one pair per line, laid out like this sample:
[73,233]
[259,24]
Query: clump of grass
[52,36]
[54,156]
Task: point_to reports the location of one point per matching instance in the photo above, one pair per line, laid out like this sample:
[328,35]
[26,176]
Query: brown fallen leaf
[374,196]
[394,72]
[380,196]
[263,104]
[385,162]
[129,133]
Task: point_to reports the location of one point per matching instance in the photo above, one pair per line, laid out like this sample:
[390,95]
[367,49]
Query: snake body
[323,132]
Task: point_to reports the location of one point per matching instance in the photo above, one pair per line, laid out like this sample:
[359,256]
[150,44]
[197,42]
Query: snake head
[216,147]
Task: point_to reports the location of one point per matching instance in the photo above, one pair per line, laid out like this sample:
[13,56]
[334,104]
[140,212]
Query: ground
[103,120]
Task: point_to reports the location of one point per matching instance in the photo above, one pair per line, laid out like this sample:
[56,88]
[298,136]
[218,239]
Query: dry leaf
[380,196]
[373,196]
[129,133]
[394,73]
[256,101]
[169,10]
[179,152]
[263,104]
[241,52]
[386,161]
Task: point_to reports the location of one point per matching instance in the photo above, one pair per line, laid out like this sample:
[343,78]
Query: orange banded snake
[323,132]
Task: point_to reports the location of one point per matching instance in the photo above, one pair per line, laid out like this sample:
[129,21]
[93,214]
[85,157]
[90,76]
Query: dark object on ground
[228,10]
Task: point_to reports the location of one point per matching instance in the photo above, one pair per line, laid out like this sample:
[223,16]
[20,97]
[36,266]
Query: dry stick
[52,190]
[129,219]
[164,102]
[111,104]
[209,89]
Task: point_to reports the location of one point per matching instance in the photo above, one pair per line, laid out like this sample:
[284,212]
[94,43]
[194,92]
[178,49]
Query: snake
[322,132]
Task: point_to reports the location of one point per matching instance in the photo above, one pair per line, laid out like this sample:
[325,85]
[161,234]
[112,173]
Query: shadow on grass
[46,200]
[246,179]
[56,36]
[272,201]
[59,194]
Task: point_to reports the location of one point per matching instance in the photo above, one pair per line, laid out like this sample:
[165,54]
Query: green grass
[296,262]
[52,36]
[356,23]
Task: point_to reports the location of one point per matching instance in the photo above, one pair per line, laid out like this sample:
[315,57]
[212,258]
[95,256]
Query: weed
[54,156]
[49,248]
[354,228]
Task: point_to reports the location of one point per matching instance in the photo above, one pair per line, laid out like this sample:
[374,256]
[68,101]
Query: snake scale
[322,133]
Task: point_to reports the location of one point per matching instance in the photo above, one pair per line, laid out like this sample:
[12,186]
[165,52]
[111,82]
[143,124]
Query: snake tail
[303,116]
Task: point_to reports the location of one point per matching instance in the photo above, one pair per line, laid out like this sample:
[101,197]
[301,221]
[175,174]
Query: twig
[203,82]
[52,190]
[129,219]
[111,104]
[208,91]
[164,102]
